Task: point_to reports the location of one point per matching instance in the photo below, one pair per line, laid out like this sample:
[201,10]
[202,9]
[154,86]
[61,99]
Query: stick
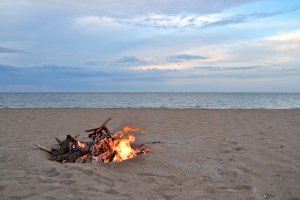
[58,141]
[44,148]
[107,131]
[65,145]
[101,127]
[69,157]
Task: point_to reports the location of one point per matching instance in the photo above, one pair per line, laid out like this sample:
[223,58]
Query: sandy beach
[203,154]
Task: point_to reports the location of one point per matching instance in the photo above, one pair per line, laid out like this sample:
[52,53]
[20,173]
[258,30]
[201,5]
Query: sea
[180,100]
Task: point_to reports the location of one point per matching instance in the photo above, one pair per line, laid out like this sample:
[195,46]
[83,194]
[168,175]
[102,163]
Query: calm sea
[150,100]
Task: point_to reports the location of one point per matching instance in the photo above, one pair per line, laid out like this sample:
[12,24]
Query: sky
[149,46]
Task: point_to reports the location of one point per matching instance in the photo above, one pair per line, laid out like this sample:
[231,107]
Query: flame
[118,147]
[130,129]
[81,144]
[123,149]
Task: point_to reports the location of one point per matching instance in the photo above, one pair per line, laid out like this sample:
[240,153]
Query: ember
[104,146]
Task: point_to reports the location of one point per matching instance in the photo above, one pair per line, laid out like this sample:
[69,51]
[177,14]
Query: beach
[196,154]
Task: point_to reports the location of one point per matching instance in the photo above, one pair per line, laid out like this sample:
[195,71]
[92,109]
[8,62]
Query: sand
[204,154]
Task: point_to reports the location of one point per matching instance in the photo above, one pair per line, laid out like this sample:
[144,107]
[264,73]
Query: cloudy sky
[150,45]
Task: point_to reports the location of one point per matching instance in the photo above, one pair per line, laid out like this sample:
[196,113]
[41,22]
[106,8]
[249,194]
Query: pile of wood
[103,146]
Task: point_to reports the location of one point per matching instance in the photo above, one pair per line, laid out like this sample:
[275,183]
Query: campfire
[103,147]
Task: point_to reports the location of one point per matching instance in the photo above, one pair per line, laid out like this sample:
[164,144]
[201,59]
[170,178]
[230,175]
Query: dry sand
[204,154]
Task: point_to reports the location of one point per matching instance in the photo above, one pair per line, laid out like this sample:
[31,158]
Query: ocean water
[150,100]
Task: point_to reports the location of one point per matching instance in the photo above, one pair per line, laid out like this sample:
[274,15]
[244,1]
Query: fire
[130,129]
[123,149]
[103,147]
[117,148]
[81,144]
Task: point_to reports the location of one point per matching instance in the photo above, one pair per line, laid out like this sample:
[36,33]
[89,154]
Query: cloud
[215,68]
[10,50]
[120,43]
[130,60]
[51,71]
[179,21]
[241,18]
[152,20]
[183,57]
[62,78]
[55,72]
[140,7]
[123,61]
[285,37]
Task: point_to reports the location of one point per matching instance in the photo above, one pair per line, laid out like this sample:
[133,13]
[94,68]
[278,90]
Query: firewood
[103,147]
[101,127]
[58,141]
[97,133]
[65,145]
[107,131]
[112,156]
[44,148]
[84,159]
[69,157]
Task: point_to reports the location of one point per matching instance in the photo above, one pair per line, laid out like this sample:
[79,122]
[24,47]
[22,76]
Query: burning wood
[104,146]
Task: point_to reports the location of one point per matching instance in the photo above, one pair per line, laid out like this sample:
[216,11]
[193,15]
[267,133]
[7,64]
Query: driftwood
[66,145]
[101,149]
[44,148]
[58,141]
[101,127]
[98,132]
[67,151]
[69,157]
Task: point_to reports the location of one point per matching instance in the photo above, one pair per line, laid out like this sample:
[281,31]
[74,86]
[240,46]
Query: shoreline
[79,108]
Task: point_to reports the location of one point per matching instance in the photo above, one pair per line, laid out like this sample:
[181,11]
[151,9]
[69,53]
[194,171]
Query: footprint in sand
[67,175]
[2,188]
[51,172]
[238,148]
[92,189]
[67,182]
[168,197]
[237,188]
[157,175]
[111,192]
[50,198]
[154,178]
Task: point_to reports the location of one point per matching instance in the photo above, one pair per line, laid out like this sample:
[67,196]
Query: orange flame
[118,147]
[123,149]
[81,144]
[130,129]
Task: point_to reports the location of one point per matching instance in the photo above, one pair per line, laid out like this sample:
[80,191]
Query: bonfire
[103,147]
